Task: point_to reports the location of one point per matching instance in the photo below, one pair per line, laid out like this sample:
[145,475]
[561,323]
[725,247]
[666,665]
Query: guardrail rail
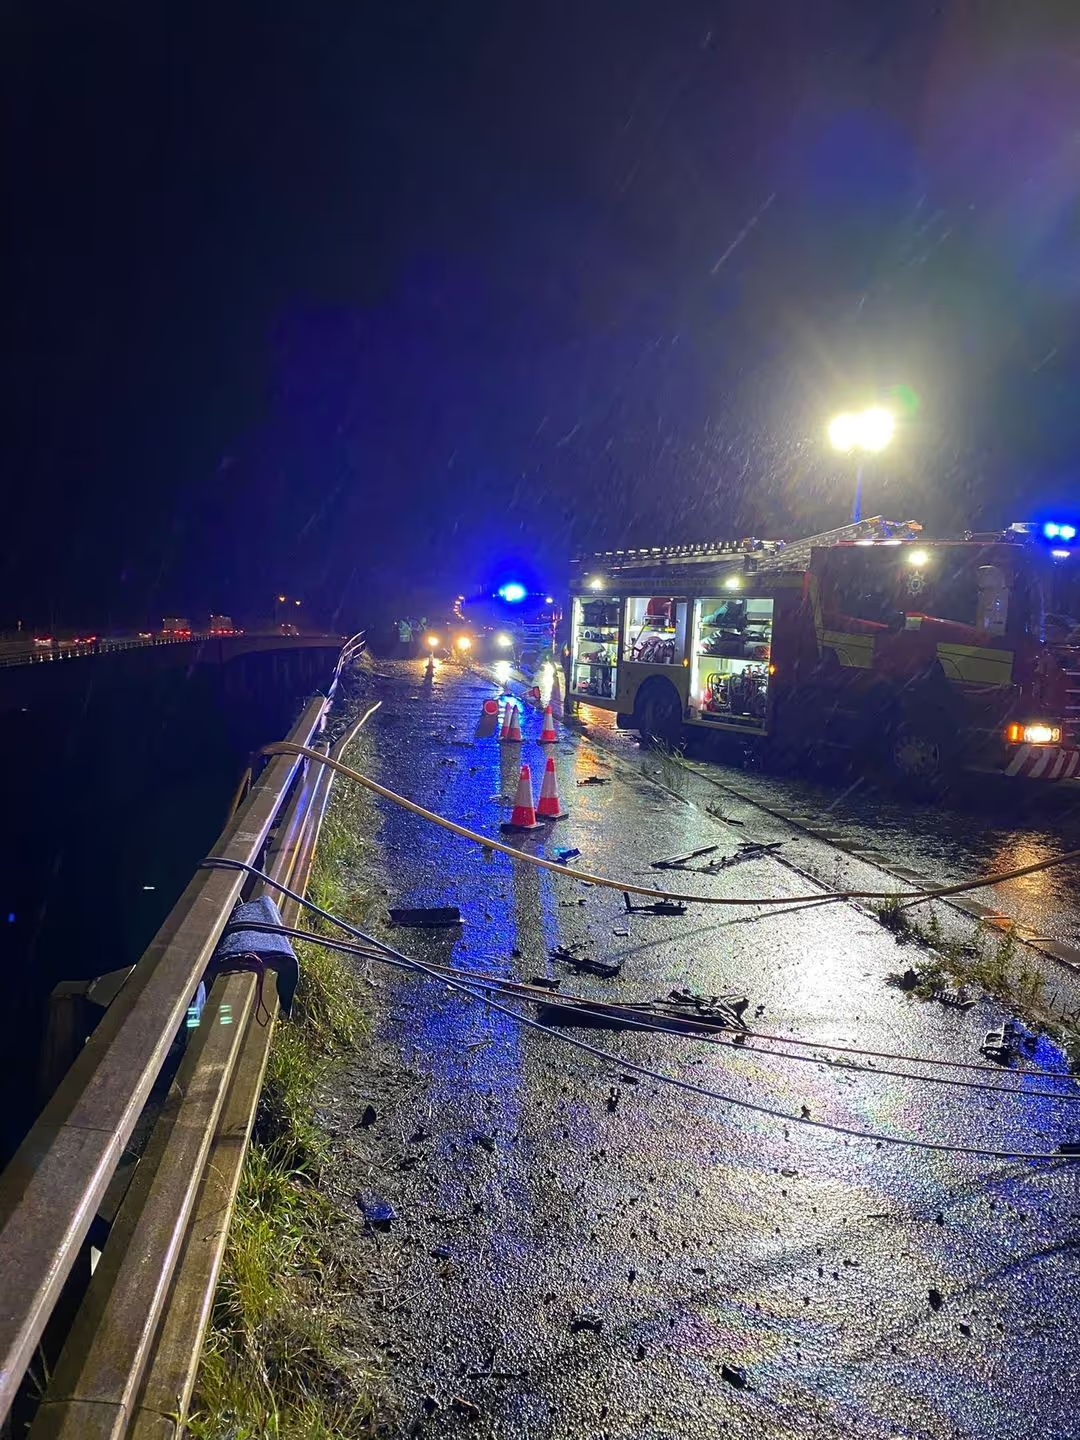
[114,1256]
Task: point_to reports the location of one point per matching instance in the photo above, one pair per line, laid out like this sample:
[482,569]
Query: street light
[866,432]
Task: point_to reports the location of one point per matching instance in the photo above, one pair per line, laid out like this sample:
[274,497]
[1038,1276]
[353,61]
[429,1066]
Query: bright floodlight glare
[732,583]
[876,427]
[596,583]
[464,643]
[918,558]
[432,640]
[844,432]
[549,599]
[502,671]
[503,641]
[1061,554]
[869,430]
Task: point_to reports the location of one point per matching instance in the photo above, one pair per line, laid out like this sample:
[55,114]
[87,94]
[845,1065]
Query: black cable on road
[626,1018]
[939,1146]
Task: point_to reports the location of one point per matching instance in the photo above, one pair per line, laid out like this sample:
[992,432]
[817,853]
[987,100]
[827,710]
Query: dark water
[115,785]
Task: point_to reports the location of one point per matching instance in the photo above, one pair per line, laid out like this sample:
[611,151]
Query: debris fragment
[935,1298]
[465,1408]
[965,1330]
[734,1375]
[805,1112]
[486,1142]
[595,780]
[677,862]
[367,1119]
[586,1320]
[544,982]
[658,907]
[613,1099]
[565,853]
[789,1174]
[379,1214]
[567,955]
[998,1045]
[428,917]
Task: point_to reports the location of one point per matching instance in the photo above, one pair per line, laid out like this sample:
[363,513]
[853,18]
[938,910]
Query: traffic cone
[511,723]
[488,723]
[549,735]
[550,806]
[523,815]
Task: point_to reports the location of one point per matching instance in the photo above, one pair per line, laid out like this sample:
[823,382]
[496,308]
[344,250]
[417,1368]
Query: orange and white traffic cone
[523,815]
[488,723]
[550,806]
[511,729]
[549,735]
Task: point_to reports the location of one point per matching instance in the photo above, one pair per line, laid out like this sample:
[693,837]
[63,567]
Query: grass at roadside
[992,960]
[281,1359]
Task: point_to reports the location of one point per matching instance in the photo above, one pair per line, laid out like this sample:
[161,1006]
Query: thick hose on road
[394,957]
[941,892]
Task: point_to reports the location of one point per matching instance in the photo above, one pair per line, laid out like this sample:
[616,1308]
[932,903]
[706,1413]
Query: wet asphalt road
[535,1187]
[982,825]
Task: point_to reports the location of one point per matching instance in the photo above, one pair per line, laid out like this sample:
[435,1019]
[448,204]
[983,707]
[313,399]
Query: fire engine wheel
[918,754]
[658,713]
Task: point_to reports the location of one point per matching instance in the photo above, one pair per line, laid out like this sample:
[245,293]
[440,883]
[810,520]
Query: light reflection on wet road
[699,1234]
[982,826]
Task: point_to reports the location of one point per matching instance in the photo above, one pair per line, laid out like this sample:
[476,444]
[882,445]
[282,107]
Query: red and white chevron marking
[1044,762]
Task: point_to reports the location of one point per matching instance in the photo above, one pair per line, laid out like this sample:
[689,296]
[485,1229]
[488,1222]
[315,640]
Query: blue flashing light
[1067,532]
[1055,531]
[512,593]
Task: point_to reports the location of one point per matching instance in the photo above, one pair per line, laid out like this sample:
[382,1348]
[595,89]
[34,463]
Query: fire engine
[924,656]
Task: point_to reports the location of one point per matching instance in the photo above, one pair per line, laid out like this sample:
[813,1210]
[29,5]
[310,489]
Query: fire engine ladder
[796,556]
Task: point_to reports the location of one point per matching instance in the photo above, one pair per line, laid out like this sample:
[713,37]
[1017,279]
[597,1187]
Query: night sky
[337,299]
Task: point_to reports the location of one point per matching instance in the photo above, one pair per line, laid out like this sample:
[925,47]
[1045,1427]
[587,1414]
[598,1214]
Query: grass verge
[992,960]
[281,1359]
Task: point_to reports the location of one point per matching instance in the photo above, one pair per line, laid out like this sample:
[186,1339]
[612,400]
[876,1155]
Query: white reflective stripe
[1059,764]
[1041,762]
[1074,759]
[1013,767]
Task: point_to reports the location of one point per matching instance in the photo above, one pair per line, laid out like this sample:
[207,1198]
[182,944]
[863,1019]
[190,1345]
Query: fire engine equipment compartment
[732,652]
[655,630]
[594,647]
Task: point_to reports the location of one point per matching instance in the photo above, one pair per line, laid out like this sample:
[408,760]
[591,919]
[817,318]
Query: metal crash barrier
[129,1329]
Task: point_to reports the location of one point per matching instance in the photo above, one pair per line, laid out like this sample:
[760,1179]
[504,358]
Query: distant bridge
[204,647]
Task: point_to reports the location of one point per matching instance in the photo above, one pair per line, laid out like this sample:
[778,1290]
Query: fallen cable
[289,747]
[699,1029]
[631,1066]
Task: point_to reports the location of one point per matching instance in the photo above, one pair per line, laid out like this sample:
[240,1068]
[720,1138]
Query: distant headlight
[464,643]
[1038,734]
[504,642]
[431,640]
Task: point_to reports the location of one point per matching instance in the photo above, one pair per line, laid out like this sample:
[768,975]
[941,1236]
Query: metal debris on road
[595,780]
[563,854]
[544,982]
[427,917]
[658,907]
[587,1320]
[677,862]
[568,955]
[734,1375]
